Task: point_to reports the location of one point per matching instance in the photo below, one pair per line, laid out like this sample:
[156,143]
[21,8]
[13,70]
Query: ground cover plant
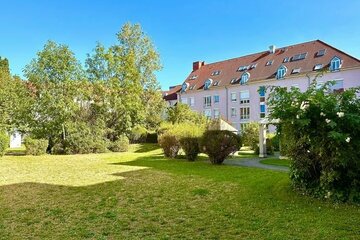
[143,195]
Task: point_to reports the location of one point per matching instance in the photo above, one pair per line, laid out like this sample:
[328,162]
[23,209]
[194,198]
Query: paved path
[254,162]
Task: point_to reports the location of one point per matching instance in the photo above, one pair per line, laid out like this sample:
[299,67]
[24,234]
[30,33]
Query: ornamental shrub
[138,134]
[36,146]
[219,144]
[170,144]
[319,131]
[4,143]
[250,135]
[120,145]
[190,145]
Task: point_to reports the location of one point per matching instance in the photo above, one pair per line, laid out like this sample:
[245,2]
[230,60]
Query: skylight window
[280,73]
[233,80]
[295,71]
[299,57]
[287,59]
[253,65]
[318,66]
[217,72]
[216,83]
[321,53]
[193,77]
[242,68]
[244,78]
[268,63]
[192,87]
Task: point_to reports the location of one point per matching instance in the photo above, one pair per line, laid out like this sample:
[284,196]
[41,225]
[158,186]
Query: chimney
[272,49]
[197,65]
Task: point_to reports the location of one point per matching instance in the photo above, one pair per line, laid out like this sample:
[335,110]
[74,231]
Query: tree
[127,72]
[54,75]
[182,113]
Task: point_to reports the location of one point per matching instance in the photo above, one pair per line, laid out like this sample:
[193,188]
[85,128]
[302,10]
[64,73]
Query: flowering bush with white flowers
[320,133]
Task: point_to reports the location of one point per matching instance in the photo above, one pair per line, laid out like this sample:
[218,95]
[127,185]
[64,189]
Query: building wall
[351,78]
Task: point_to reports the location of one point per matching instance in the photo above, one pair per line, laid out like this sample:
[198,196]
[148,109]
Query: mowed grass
[276,162]
[152,197]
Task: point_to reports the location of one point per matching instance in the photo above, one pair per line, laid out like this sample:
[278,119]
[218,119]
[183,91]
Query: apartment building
[235,90]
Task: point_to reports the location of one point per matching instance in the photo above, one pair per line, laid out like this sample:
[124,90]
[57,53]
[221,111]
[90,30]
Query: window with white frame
[244,97]
[243,126]
[233,112]
[335,64]
[207,101]
[207,113]
[233,97]
[216,113]
[191,101]
[216,98]
[244,78]
[319,84]
[244,113]
[281,72]
[262,110]
[184,100]
[338,86]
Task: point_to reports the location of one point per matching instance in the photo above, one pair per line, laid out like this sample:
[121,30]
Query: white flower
[348,139]
[297,117]
[340,114]
[327,121]
[304,105]
[322,114]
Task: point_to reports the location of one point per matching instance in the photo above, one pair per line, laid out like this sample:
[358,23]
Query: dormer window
[268,63]
[280,73]
[295,71]
[299,57]
[335,64]
[233,80]
[184,86]
[318,67]
[244,78]
[242,68]
[321,53]
[217,72]
[207,84]
[287,59]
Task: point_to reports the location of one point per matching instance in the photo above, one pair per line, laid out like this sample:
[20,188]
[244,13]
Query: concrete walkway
[254,162]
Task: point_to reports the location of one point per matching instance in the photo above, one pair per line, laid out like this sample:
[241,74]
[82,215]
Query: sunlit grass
[276,162]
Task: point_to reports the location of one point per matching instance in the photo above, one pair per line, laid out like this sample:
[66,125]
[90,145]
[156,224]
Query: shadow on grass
[147,148]
[15,152]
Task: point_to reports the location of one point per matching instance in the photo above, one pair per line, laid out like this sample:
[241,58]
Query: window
[184,86]
[216,113]
[217,72]
[216,98]
[299,57]
[207,101]
[207,84]
[321,53]
[295,86]
[338,86]
[295,71]
[318,66]
[233,80]
[253,65]
[207,113]
[268,63]
[281,72]
[192,87]
[287,59]
[216,83]
[191,101]
[262,91]
[242,68]
[233,97]
[243,126]
[319,84]
[244,78]
[262,110]
[184,100]
[193,77]
[233,112]
[244,97]
[244,113]
[335,64]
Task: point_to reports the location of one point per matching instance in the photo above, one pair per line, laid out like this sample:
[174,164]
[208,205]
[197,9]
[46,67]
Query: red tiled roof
[172,93]
[229,67]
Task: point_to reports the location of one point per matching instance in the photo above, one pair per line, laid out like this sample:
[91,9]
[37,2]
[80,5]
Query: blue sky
[183,31]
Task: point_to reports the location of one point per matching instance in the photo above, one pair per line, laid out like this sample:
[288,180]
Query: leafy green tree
[182,113]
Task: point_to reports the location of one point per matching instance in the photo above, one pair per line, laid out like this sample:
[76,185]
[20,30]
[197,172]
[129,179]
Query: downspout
[227,104]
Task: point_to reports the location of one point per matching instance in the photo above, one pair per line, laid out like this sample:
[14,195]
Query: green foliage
[219,144]
[120,145]
[320,133]
[190,145]
[151,137]
[250,135]
[138,134]
[4,143]
[170,144]
[35,147]
[182,113]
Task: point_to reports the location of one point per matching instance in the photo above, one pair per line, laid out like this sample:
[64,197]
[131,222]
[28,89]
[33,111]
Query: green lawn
[276,162]
[142,195]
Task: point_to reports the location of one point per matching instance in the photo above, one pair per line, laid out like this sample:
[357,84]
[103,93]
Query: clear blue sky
[183,31]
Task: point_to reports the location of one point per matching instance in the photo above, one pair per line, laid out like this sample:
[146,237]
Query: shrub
[250,135]
[170,144]
[190,145]
[120,145]
[4,143]
[151,137]
[138,134]
[269,147]
[219,144]
[36,146]
[320,134]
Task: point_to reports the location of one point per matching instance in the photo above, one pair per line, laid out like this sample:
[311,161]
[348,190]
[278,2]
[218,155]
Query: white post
[262,140]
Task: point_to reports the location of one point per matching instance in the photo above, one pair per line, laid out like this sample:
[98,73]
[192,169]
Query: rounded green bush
[120,145]
[36,146]
[190,145]
[219,144]
[4,143]
[138,134]
[170,144]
